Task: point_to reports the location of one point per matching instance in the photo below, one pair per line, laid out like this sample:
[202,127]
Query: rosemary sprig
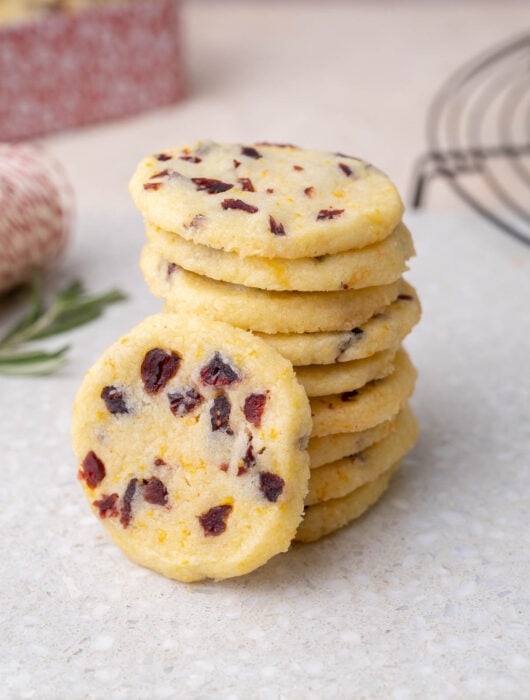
[71,307]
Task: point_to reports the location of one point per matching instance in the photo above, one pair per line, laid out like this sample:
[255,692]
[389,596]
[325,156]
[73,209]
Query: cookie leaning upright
[190,436]
[266,200]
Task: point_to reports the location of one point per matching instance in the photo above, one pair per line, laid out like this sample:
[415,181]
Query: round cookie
[330,448]
[337,479]
[266,200]
[320,380]
[259,310]
[324,518]
[380,263]
[364,408]
[190,436]
[384,330]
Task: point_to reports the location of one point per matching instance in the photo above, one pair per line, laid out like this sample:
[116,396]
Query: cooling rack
[478,136]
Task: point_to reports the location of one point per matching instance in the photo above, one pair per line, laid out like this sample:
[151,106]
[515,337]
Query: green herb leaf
[37,362]
[70,308]
[35,310]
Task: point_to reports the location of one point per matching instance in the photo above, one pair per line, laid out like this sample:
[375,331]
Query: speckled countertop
[427,596]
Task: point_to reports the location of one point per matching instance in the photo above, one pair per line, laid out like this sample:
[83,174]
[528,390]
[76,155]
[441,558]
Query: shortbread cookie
[384,330]
[256,309]
[337,479]
[190,436]
[380,263]
[320,380]
[330,448]
[324,518]
[266,200]
[364,408]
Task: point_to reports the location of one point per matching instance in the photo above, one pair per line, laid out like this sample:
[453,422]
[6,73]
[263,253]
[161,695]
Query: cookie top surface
[266,200]
[190,438]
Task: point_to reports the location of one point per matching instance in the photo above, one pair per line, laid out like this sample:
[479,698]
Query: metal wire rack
[478,135]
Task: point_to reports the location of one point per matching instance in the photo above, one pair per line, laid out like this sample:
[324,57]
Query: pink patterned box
[88,66]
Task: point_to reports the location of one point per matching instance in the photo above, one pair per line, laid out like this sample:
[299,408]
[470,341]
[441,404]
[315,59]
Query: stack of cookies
[306,250]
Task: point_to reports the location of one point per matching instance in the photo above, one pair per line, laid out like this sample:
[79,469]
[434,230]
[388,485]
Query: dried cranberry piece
[152,185]
[309,191]
[213,522]
[159,462]
[276,145]
[224,466]
[182,403]
[249,458]
[114,400]
[251,152]
[254,407]
[407,297]
[349,395]
[158,367]
[345,169]
[298,168]
[210,186]
[191,159]
[238,204]
[276,228]
[329,214]
[107,506]
[220,414]
[92,470]
[154,491]
[195,222]
[126,508]
[162,173]
[343,285]
[271,485]
[246,184]
[171,267]
[269,190]
[218,372]
[236,163]
[163,156]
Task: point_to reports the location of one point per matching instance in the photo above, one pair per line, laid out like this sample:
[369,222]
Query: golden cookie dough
[190,436]
[320,380]
[259,310]
[324,518]
[380,263]
[266,200]
[374,403]
[385,329]
[337,479]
